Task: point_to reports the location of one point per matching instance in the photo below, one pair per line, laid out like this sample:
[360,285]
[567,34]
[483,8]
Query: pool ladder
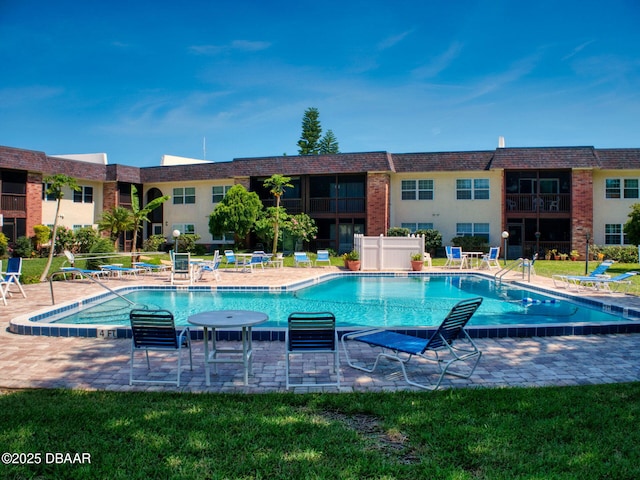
[81,273]
[525,263]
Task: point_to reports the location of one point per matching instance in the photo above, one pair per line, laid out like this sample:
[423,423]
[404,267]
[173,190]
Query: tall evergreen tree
[329,143]
[311,133]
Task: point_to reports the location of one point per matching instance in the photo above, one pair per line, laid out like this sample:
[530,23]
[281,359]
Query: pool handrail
[85,275]
[524,262]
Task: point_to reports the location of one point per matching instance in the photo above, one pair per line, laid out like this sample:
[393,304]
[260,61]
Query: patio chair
[402,347]
[257,260]
[457,258]
[76,272]
[492,259]
[579,281]
[301,258]
[156,330]
[12,276]
[230,258]
[322,256]
[427,259]
[181,271]
[211,266]
[117,271]
[151,267]
[312,333]
[525,264]
[447,251]
[606,284]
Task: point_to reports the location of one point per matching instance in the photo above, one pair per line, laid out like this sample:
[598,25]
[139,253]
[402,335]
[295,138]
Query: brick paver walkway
[95,364]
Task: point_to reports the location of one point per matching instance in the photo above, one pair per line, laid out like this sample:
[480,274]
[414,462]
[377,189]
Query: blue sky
[139,79]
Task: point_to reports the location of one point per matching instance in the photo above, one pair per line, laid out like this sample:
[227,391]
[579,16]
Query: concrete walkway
[95,364]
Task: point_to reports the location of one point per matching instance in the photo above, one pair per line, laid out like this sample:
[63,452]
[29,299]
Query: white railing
[387,253]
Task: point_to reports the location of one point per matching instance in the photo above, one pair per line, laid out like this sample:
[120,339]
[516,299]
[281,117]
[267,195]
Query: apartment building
[550,197]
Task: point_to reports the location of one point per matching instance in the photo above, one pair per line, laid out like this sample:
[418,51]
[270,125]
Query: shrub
[155,243]
[101,245]
[4,245]
[618,253]
[23,247]
[432,239]
[187,242]
[471,243]
[85,238]
[42,234]
[398,232]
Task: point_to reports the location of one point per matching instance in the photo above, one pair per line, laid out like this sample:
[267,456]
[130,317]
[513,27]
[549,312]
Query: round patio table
[243,319]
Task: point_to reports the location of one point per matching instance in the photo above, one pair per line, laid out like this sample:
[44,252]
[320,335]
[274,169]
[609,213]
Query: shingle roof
[545,157]
[442,161]
[619,158]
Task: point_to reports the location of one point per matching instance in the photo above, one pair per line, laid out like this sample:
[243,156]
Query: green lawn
[538,433]
[571,432]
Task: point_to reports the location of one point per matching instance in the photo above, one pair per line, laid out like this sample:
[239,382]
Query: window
[218,192]
[47,197]
[84,195]
[78,226]
[185,195]
[622,188]
[472,230]
[472,189]
[630,188]
[417,226]
[417,190]
[184,228]
[614,234]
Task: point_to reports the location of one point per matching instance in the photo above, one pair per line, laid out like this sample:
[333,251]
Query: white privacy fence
[387,253]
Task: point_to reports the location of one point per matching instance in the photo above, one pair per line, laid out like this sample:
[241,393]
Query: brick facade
[378,195]
[581,208]
[33,201]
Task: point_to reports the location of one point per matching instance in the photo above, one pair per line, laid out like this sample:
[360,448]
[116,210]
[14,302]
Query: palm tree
[56,184]
[139,215]
[116,221]
[277,184]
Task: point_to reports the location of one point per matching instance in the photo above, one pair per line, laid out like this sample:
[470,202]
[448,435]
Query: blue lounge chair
[156,330]
[580,281]
[606,284]
[151,267]
[401,347]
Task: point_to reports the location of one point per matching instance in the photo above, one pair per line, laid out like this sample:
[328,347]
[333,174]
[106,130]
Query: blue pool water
[380,301]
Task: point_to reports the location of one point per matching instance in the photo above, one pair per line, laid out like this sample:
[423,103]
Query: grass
[558,432]
[570,432]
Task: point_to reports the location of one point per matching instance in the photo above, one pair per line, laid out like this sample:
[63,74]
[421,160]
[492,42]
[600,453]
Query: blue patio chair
[301,258]
[402,347]
[323,256]
[257,259]
[156,330]
[11,277]
[230,258]
[447,251]
[457,258]
[314,333]
[492,259]
[181,271]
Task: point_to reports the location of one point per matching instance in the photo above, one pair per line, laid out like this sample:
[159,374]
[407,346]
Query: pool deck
[97,364]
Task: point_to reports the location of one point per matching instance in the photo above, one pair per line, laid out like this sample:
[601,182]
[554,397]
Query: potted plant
[417,261]
[574,255]
[352,260]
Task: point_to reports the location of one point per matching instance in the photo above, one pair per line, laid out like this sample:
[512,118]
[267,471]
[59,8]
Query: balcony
[337,205]
[13,202]
[544,202]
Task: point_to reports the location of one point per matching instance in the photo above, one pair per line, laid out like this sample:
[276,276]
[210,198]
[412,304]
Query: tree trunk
[47,267]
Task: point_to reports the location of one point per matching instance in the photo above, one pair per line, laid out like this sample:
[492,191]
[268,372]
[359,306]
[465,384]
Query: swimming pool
[393,301]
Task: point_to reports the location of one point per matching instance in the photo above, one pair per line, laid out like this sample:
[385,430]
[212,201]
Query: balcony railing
[13,202]
[292,205]
[337,205]
[547,202]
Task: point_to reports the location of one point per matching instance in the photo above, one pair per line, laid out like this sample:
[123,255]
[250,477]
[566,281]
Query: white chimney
[501,142]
